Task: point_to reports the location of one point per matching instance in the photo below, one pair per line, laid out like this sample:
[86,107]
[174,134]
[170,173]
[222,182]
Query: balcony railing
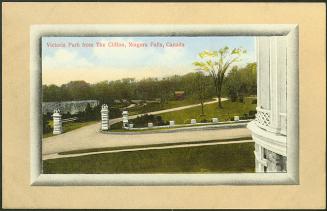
[263,118]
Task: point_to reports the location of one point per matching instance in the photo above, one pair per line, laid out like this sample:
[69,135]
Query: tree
[217,63]
[200,88]
[241,82]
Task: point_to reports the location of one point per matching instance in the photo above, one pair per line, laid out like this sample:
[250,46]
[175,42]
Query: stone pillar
[214,120]
[193,121]
[150,125]
[236,118]
[171,123]
[104,117]
[125,119]
[57,122]
[269,127]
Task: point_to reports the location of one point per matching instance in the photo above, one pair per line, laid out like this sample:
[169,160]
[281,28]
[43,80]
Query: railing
[70,119]
[263,118]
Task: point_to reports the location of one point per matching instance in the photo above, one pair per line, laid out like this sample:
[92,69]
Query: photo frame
[289,31]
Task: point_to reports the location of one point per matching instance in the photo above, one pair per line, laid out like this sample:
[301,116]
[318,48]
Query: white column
[171,123]
[263,69]
[57,122]
[125,119]
[282,69]
[104,117]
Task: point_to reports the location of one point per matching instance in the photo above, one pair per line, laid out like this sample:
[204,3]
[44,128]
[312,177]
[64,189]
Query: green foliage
[212,159]
[216,63]
[200,86]
[45,124]
[241,82]
[89,114]
[126,88]
[143,121]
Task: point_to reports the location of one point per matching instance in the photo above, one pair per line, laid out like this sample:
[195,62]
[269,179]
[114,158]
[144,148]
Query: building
[269,127]
[179,95]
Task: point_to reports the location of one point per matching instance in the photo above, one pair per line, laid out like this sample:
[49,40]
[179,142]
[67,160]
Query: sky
[95,59]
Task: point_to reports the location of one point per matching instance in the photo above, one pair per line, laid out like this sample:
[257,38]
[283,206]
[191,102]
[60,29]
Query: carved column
[104,117]
[57,122]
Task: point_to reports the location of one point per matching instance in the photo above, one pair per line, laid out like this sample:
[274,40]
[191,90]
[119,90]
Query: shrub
[114,112]
[204,121]
[252,114]
[90,114]
[45,124]
[143,121]
[254,101]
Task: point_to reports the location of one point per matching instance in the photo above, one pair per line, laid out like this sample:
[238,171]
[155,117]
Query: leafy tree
[241,82]
[216,63]
[200,88]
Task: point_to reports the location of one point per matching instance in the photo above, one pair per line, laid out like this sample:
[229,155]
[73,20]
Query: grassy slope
[211,159]
[229,110]
[157,106]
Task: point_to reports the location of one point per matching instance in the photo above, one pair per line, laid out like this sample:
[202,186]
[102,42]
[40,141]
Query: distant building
[179,95]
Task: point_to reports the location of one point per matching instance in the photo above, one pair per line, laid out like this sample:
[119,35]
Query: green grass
[148,146]
[229,158]
[157,106]
[229,110]
[69,126]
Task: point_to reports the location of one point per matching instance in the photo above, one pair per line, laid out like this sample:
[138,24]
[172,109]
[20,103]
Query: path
[89,137]
[113,121]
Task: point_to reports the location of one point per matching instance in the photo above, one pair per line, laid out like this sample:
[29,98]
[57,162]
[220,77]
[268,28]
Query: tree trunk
[202,109]
[219,101]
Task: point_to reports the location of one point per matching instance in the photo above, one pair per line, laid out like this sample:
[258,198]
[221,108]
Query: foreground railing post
[104,117]
[57,122]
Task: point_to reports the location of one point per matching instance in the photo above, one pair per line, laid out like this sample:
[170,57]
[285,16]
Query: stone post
[214,120]
[104,117]
[193,121]
[171,123]
[57,122]
[125,119]
[236,118]
[150,125]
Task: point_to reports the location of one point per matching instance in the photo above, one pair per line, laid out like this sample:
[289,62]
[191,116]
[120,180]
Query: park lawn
[225,158]
[157,106]
[69,126]
[229,110]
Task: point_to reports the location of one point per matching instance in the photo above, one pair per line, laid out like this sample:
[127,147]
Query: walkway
[89,136]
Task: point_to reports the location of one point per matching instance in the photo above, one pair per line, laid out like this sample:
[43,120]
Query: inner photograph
[164,104]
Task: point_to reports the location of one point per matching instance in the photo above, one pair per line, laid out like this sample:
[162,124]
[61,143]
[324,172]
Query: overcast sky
[63,60]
